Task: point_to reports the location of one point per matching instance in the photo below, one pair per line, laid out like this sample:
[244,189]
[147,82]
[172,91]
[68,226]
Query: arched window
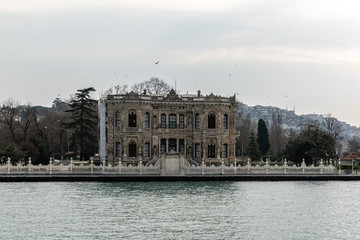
[117,149]
[147,120]
[181,121]
[211,150]
[225,121]
[172,121]
[132,118]
[132,149]
[211,120]
[117,119]
[224,151]
[147,149]
[197,150]
[163,120]
[197,121]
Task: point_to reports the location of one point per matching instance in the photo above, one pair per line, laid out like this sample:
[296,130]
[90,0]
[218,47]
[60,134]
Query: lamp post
[339,166]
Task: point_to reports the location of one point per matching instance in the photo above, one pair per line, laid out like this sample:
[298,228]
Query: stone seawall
[152,178]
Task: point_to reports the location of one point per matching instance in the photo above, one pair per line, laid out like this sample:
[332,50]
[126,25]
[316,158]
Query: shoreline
[157,178]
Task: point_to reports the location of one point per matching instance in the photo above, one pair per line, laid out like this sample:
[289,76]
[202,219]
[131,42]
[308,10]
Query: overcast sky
[282,53]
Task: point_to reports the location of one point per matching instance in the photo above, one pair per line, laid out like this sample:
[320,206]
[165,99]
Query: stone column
[185,150]
[50,165]
[167,145]
[125,150]
[159,148]
[177,145]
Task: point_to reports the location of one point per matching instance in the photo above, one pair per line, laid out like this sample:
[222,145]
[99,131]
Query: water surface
[180,210]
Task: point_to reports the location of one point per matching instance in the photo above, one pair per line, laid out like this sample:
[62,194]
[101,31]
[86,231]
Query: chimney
[199,93]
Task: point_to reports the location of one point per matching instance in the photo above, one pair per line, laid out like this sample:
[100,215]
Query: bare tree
[152,86]
[277,135]
[309,123]
[27,116]
[333,127]
[9,115]
[354,144]
[245,126]
[50,132]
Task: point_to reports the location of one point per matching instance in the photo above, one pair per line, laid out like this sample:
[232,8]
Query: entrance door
[211,150]
[172,145]
[181,146]
[163,145]
[132,149]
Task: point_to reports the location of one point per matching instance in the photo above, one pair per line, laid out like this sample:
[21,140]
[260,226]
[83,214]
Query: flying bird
[157,62]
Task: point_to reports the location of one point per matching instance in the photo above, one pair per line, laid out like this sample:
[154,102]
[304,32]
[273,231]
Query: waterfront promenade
[88,171]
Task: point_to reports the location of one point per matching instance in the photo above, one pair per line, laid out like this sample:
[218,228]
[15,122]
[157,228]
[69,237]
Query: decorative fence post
[120,165]
[8,164]
[235,166]
[29,165]
[267,165]
[321,166]
[339,166]
[303,164]
[285,166]
[71,165]
[92,165]
[140,165]
[203,167]
[50,165]
[222,166]
[248,165]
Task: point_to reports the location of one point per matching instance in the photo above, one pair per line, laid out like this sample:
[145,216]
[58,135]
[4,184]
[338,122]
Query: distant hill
[290,119]
[294,121]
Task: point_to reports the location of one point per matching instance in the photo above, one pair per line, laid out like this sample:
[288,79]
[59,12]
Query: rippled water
[180,210]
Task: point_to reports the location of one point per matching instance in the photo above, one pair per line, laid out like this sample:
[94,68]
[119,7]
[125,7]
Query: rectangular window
[197,121]
[172,121]
[147,120]
[163,121]
[117,119]
[197,151]
[146,150]
[225,122]
[181,121]
[224,151]
[132,119]
[117,149]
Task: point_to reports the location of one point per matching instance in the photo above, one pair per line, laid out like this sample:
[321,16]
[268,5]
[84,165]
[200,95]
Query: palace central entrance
[172,145]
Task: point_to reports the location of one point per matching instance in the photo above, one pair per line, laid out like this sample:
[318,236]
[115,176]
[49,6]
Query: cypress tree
[83,122]
[263,137]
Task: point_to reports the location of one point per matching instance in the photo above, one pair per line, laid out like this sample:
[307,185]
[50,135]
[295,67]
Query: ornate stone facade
[140,127]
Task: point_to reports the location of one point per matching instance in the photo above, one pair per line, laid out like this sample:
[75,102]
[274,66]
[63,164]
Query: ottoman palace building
[137,127]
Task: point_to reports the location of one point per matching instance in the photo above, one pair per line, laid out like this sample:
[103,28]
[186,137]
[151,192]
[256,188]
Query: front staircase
[172,164]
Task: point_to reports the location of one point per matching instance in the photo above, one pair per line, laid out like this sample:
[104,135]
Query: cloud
[184,5]
[280,54]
